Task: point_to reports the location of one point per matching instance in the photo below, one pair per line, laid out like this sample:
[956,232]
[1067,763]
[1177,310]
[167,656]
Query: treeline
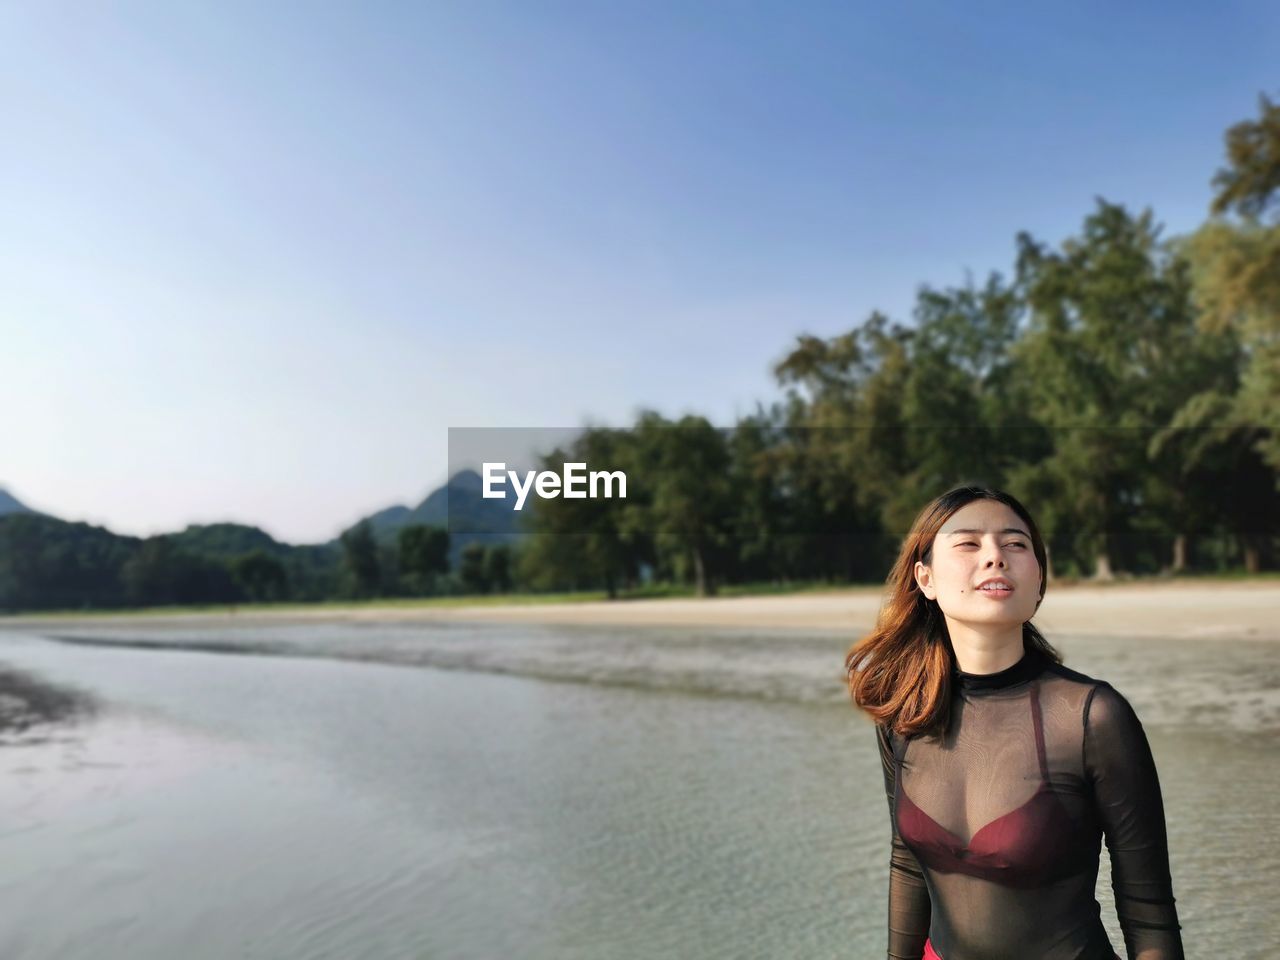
[1123,385]
[417,563]
[50,564]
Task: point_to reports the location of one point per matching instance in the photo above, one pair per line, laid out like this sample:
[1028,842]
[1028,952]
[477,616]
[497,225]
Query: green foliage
[227,541]
[423,553]
[361,562]
[48,563]
[690,502]
[1250,181]
[1236,269]
[1112,348]
[261,576]
[587,542]
[843,446]
[473,570]
[160,573]
[497,568]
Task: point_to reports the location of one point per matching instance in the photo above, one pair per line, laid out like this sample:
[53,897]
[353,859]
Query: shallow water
[439,791]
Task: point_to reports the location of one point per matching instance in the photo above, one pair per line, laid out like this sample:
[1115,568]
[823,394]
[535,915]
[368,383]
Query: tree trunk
[1179,553]
[699,572]
[1250,543]
[1102,567]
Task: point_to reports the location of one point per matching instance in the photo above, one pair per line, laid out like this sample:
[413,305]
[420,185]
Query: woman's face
[982,540]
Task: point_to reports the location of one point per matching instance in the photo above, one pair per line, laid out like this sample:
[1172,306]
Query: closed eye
[970,543]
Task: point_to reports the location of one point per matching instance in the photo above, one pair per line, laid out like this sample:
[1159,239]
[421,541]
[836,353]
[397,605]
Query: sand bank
[1239,609]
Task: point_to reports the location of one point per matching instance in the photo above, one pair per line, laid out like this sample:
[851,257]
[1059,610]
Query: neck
[980,649]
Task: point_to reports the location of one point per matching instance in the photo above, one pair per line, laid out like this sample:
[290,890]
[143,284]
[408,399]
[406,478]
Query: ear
[924,578]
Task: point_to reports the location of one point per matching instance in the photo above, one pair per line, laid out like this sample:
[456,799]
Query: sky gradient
[255,259]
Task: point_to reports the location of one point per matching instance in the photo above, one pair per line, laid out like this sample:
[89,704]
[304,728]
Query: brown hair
[900,672]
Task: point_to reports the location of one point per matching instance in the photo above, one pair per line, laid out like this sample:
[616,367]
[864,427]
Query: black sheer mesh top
[998,824]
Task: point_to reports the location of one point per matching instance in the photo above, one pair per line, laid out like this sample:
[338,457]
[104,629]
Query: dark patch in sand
[26,702]
[197,646]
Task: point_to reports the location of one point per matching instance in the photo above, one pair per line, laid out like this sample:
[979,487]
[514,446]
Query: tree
[46,563]
[592,541]
[1250,182]
[762,514]
[497,567]
[686,469]
[159,573]
[845,449]
[1236,266]
[1107,356]
[964,404]
[360,558]
[260,575]
[472,568]
[423,552]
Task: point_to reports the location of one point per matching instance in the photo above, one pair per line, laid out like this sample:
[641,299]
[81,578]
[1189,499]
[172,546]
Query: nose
[994,554]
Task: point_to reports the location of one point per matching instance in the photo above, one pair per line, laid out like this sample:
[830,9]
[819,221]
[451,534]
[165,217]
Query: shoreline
[1241,610]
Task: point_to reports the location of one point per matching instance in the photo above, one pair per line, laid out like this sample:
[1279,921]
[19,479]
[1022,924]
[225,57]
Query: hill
[460,507]
[11,504]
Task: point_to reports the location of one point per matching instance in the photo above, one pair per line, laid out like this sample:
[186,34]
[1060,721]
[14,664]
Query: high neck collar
[1022,671]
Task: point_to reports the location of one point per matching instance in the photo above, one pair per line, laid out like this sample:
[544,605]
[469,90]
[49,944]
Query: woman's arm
[1126,791]
[909,907]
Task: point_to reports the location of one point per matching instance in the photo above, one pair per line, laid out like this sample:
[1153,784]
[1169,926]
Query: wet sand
[28,703]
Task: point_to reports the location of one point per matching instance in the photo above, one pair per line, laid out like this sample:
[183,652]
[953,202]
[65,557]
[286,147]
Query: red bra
[1033,844]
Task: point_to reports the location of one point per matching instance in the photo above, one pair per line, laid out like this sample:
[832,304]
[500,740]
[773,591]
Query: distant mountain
[458,505]
[11,504]
[462,506]
[387,523]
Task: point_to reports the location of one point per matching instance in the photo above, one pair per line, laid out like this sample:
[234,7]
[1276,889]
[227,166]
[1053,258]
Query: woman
[1003,769]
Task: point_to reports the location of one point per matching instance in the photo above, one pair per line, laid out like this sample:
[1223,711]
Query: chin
[999,616]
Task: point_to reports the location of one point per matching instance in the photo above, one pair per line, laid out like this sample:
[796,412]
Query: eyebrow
[954,533]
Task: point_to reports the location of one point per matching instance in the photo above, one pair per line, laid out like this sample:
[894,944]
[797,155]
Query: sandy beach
[1176,608]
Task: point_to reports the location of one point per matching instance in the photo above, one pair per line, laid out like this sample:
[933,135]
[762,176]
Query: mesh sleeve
[909,906]
[1120,767]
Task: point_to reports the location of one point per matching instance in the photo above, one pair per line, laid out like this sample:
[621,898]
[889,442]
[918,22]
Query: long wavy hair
[900,672]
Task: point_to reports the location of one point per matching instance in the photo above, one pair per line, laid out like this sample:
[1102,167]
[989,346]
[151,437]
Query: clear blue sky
[256,258]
